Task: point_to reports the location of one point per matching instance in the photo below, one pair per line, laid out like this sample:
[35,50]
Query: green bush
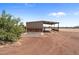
[2,35]
[8,37]
[10,28]
[11,37]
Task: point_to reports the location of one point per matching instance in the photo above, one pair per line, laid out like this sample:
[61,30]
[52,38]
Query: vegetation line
[10,28]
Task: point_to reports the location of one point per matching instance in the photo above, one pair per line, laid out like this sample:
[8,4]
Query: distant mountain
[76,26]
[66,27]
[70,27]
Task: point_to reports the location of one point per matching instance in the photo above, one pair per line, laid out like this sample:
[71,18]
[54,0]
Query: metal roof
[45,22]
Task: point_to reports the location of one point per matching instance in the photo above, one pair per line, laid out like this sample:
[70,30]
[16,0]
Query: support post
[51,27]
[54,26]
[58,26]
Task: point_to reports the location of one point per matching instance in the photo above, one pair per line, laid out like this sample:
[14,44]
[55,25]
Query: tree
[10,28]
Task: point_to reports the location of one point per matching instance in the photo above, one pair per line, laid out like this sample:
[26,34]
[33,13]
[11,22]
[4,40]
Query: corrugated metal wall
[34,26]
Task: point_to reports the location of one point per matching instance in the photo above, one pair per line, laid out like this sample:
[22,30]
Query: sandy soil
[70,30]
[54,43]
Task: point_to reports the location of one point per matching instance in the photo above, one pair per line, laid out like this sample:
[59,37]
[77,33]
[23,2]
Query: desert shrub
[10,28]
[2,35]
[11,37]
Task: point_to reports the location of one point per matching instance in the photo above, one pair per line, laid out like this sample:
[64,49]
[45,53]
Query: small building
[42,26]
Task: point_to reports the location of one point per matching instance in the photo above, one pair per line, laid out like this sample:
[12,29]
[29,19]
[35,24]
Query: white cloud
[61,13]
[57,14]
[76,13]
[52,14]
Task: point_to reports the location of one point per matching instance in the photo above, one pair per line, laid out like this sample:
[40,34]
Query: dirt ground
[53,43]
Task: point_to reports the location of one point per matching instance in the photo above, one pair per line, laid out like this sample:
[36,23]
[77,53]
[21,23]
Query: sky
[65,13]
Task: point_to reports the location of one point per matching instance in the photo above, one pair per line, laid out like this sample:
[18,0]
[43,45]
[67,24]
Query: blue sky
[65,13]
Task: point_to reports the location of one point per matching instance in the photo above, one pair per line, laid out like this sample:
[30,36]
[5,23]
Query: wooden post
[58,26]
[54,26]
[51,27]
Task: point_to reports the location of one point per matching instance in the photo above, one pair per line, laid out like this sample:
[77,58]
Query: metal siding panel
[35,25]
